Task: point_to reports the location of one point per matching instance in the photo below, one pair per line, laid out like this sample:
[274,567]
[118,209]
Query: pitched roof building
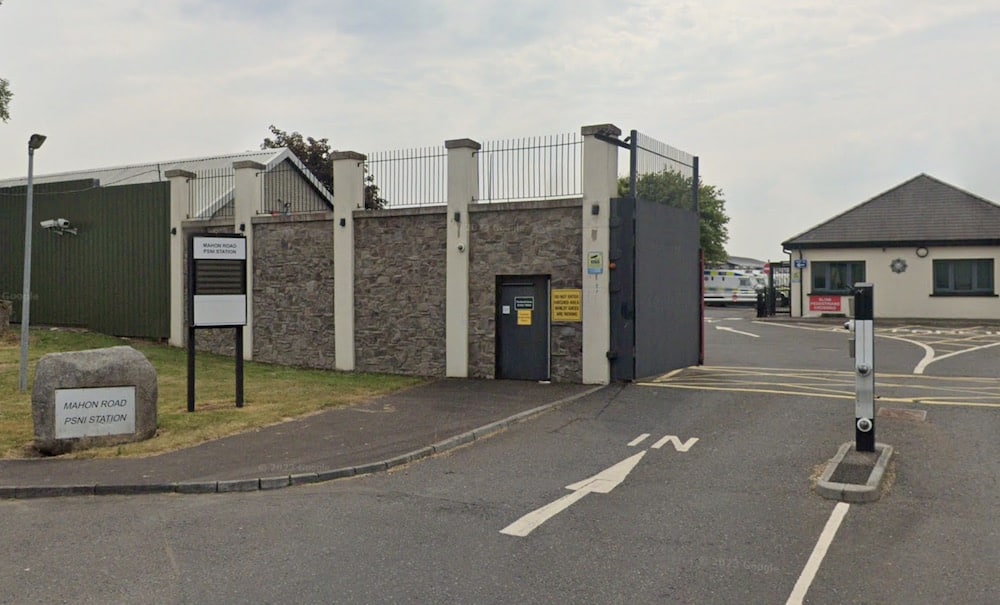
[929,248]
[215,190]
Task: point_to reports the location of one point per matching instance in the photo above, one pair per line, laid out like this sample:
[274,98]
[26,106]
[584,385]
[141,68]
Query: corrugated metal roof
[921,210]
[154,171]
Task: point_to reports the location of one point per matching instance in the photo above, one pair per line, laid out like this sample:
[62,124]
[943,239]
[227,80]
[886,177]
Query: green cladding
[112,276]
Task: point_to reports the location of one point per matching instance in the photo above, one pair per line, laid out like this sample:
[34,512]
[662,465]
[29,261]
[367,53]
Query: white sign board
[220,310]
[219,293]
[95,412]
[220,248]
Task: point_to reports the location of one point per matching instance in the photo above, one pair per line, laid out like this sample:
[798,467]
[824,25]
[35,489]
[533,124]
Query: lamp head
[36,141]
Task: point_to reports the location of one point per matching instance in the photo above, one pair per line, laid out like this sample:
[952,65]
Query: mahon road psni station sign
[93,412]
[220,291]
[217,296]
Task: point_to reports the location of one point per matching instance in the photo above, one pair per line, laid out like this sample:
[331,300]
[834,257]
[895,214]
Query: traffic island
[853,476]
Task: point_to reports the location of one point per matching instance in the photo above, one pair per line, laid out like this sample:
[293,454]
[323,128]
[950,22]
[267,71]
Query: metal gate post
[864,366]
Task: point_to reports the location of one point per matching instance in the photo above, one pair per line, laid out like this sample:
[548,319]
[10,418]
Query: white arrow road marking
[601,483]
[680,447]
[725,329]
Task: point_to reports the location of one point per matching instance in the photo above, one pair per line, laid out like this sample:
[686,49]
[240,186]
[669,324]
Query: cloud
[797,110]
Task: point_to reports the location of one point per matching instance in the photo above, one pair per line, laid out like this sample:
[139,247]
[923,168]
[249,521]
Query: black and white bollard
[864,368]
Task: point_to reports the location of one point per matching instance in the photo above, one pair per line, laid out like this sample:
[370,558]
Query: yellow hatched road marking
[833,385]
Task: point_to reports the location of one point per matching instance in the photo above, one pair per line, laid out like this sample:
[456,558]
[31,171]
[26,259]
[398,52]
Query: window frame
[826,269]
[979,270]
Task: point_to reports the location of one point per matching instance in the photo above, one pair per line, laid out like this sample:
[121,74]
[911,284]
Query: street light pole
[34,143]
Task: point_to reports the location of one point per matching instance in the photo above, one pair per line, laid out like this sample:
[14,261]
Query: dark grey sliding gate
[655,289]
[656,299]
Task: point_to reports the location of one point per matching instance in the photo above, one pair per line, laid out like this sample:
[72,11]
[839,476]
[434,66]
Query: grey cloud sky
[798,110]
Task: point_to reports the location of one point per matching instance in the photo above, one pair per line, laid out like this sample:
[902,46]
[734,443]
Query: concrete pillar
[348,196]
[463,189]
[600,184]
[247,195]
[180,199]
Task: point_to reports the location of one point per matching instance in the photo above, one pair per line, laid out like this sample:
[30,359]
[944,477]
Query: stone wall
[399,291]
[293,290]
[524,238]
[400,286]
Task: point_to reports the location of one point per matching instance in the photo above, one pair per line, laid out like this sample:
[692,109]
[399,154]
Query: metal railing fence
[211,194]
[408,177]
[660,172]
[533,168]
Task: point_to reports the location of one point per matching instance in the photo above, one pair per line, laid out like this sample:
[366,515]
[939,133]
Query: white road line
[680,447]
[819,551]
[954,353]
[928,352]
[638,440]
[725,329]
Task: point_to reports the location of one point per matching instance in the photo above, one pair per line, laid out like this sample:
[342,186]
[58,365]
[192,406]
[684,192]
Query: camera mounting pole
[864,368]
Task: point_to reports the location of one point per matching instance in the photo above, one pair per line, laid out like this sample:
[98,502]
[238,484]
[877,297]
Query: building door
[522,320]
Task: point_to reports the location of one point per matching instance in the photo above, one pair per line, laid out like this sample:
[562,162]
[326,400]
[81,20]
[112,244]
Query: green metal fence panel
[112,276]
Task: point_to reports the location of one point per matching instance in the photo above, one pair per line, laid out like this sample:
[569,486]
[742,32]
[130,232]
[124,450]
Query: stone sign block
[100,397]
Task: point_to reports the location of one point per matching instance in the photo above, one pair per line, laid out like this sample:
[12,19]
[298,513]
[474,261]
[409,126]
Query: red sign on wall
[825,304]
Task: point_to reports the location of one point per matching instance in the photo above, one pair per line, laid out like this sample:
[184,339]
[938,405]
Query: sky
[798,110]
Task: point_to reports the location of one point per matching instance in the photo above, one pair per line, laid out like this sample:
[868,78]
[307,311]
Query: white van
[733,286]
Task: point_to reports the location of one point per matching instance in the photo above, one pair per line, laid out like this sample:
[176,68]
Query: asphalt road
[722,513]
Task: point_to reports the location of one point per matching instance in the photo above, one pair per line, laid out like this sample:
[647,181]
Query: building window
[837,277]
[963,277]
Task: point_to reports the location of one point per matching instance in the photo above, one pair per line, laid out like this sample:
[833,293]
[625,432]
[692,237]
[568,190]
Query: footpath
[375,436]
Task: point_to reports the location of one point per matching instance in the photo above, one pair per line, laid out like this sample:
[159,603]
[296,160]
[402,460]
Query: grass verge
[273,394]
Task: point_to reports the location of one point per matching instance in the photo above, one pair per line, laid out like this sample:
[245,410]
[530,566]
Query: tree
[315,155]
[5,97]
[673,188]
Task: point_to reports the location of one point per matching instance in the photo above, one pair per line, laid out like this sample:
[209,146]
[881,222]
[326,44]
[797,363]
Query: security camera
[864,425]
[59,225]
[461,247]
[55,223]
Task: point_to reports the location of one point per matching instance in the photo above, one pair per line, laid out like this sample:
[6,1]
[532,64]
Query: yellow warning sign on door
[524,317]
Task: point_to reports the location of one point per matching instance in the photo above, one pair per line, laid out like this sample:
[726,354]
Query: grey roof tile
[922,210]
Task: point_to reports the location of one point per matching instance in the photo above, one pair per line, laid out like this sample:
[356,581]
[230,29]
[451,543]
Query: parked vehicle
[733,286]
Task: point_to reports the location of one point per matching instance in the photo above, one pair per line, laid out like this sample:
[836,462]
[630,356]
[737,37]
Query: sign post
[217,296]
[864,368]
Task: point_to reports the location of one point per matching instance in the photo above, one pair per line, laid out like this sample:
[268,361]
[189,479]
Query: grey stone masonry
[293,290]
[77,399]
[399,291]
[524,238]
